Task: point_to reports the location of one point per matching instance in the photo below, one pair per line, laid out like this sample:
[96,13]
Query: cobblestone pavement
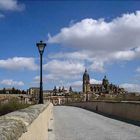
[71,123]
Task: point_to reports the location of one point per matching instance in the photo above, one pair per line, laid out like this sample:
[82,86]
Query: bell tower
[86,82]
[105,83]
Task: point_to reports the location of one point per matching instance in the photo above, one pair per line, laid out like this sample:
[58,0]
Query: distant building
[8,90]
[60,91]
[11,91]
[104,88]
[34,92]
[47,92]
[70,90]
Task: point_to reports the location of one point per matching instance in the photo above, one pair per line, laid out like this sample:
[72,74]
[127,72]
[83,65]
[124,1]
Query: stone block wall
[125,110]
[27,124]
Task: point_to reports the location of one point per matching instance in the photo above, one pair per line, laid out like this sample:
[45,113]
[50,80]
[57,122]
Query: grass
[11,106]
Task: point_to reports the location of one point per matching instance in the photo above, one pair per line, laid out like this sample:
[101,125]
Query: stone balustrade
[31,123]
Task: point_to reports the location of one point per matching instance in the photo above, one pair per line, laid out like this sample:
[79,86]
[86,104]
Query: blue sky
[102,36]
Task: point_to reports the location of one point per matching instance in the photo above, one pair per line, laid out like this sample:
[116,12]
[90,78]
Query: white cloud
[11,5]
[17,63]
[104,42]
[82,57]
[76,84]
[77,55]
[97,66]
[94,81]
[64,69]
[97,35]
[46,78]
[124,55]
[138,69]
[131,87]
[59,72]
[10,82]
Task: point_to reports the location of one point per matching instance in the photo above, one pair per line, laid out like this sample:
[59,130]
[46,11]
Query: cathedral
[104,88]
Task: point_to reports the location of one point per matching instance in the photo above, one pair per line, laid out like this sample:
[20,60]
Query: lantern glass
[41,47]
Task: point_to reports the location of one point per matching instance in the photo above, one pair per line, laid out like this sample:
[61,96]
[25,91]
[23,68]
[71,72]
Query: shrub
[11,106]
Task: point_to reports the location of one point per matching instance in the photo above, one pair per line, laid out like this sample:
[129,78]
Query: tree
[1,91]
[13,90]
[4,91]
[23,92]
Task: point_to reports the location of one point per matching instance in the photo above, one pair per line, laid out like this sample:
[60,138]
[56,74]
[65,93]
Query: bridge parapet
[126,110]
[27,124]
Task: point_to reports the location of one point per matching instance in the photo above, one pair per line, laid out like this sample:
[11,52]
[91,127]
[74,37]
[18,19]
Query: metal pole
[41,83]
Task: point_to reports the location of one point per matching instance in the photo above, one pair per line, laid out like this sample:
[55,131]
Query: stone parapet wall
[27,124]
[125,110]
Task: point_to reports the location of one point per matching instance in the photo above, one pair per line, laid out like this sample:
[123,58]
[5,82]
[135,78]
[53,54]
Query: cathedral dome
[86,77]
[105,81]
[85,73]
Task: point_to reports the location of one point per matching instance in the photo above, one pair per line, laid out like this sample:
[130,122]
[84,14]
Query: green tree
[4,91]
[13,90]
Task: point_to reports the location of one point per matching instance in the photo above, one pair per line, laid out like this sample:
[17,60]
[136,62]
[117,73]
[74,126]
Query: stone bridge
[62,100]
[48,122]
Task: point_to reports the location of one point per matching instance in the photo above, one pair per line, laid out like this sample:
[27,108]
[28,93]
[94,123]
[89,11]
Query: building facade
[34,92]
[104,88]
[60,91]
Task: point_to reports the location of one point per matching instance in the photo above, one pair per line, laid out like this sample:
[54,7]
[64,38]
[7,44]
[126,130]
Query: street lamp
[41,47]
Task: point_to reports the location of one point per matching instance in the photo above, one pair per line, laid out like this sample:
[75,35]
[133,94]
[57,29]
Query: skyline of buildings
[105,39]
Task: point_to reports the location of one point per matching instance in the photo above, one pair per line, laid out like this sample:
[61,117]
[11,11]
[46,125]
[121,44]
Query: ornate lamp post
[41,47]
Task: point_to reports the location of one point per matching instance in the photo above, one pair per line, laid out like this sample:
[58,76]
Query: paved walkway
[71,123]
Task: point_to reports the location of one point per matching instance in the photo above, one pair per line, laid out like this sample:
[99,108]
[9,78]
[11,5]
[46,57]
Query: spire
[70,89]
[105,78]
[85,70]
[63,88]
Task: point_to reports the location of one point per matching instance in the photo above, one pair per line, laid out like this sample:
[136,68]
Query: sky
[100,36]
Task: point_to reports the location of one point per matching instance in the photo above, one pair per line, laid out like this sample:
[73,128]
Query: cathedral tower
[86,82]
[105,83]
